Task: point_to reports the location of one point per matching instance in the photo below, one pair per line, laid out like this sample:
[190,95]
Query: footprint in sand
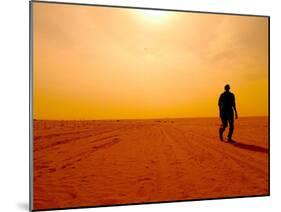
[153,161]
[146,186]
[52,170]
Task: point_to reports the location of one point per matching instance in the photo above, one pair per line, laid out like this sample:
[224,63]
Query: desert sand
[94,163]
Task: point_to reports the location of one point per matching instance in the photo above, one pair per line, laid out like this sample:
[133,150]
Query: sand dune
[90,163]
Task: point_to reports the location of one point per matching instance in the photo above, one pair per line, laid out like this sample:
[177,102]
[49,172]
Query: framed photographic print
[143,105]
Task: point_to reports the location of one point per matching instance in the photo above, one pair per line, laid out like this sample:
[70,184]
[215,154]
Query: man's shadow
[250,147]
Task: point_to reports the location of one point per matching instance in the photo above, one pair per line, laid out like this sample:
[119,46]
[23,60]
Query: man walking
[226,107]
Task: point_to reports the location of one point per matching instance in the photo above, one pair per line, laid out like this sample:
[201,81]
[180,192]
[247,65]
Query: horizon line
[163,118]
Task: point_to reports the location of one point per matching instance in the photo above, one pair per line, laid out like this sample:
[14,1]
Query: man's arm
[234,107]
[220,104]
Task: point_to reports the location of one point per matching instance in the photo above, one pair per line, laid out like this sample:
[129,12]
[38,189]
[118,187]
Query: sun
[153,16]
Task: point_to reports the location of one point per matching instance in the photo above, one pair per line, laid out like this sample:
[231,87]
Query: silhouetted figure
[226,107]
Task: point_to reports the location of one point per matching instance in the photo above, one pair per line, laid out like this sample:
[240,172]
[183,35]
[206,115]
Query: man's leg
[222,128]
[231,128]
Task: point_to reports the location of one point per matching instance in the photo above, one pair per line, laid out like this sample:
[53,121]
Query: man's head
[227,88]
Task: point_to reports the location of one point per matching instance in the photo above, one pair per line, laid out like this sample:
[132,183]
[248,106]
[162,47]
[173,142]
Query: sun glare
[155,16]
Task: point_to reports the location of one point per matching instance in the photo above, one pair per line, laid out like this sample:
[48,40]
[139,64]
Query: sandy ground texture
[93,163]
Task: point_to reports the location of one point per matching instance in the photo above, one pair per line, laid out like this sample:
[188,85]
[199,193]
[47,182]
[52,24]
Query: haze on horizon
[116,63]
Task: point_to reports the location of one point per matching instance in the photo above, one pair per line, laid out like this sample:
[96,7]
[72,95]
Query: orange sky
[113,63]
